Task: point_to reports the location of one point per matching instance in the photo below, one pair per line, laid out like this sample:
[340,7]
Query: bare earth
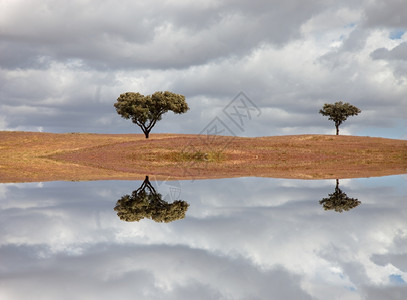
[33,157]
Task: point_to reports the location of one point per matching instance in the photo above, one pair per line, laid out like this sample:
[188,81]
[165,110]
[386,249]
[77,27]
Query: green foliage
[145,111]
[145,202]
[339,201]
[339,112]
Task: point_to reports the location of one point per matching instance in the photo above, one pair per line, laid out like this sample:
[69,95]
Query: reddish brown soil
[27,156]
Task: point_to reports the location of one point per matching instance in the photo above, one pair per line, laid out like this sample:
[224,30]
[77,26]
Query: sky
[242,238]
[63,64]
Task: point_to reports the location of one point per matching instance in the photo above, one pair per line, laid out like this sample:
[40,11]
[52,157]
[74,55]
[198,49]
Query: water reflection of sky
[247,238]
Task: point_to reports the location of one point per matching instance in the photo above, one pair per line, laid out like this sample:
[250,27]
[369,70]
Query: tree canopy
[145,202]
[339,201]
[145,111]
[339,112]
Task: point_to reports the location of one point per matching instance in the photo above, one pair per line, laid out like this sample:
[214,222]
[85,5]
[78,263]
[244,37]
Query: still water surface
[245,238]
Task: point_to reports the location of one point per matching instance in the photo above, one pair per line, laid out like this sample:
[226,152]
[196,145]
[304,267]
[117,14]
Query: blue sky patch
[396,34]
[396,279]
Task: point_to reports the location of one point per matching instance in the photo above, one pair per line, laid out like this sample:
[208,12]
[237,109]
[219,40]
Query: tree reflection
[145,202]
[339,201]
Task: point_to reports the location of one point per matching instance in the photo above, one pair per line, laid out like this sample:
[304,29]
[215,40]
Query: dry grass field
[31,157]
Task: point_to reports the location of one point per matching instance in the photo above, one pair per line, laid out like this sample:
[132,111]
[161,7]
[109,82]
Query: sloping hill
[28,156]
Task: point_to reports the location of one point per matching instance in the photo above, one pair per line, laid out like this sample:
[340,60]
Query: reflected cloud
[150,272]
[145,202]
[243,238]
[339,201]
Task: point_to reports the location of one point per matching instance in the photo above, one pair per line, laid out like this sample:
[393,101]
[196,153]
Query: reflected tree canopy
[145,202]
[339,201]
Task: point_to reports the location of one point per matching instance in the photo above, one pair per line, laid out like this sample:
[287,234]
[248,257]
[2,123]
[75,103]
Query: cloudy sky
[242,238]
[64,63]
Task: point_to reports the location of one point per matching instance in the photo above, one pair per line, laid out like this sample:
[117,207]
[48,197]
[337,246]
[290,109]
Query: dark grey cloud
[151,272]
[396,59]
[389,15]
[355,41]
[147,34]
[397,260]
[398,53]
[382,13]
[376,293]
[395,257]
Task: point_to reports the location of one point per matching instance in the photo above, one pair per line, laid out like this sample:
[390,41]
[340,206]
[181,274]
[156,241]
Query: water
[246,238]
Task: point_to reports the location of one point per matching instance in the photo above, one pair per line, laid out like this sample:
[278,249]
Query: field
[33,157]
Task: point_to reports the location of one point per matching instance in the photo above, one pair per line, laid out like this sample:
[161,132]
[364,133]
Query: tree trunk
[146,133]
[337,129]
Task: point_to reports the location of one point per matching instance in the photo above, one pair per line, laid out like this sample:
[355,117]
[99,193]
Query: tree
[145,202]
[339,112]
[339,201]
[145,111]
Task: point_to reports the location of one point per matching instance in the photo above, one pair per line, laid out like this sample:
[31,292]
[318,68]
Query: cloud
[396,58]
[236,230]
[150,34]
[377,293]
[151,272]
[73,61]
[381,13]
[397,53]
[394,256]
